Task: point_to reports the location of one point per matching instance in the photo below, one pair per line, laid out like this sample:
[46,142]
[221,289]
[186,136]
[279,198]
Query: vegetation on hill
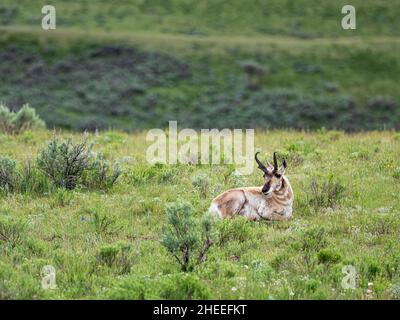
[91,85]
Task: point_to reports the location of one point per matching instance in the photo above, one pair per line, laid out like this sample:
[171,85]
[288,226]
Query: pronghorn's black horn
[275,162]
[260,165]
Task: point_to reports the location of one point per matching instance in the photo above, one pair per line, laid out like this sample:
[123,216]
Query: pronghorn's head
[273,175]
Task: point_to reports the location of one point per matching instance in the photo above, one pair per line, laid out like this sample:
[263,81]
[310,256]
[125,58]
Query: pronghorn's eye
[278,175]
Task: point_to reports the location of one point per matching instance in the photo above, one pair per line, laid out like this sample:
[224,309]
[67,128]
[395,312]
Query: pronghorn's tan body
[272,201]
[253,204]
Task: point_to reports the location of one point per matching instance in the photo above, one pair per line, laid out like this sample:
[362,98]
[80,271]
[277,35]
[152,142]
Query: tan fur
[253,204]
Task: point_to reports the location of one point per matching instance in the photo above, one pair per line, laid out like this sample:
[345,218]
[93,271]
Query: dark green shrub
[370,267]
[64,161]
[188,239]
[391,263]
[328,256]
[14,123]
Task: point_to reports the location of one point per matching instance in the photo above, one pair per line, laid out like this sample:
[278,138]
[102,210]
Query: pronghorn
[272,201]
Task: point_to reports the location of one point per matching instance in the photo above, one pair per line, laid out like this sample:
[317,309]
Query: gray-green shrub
[7,174]
[187,239]
[17,122]
[102,174]
[202,183]
[68,164]
[65,161]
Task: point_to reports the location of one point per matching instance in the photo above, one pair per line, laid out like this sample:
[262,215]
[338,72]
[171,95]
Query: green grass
[115,250]
[302,18]
[134,65]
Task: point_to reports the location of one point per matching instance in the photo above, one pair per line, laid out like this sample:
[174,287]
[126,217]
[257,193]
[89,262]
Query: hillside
[279,67]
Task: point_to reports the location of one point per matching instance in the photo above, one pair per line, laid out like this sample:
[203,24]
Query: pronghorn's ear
[284,164]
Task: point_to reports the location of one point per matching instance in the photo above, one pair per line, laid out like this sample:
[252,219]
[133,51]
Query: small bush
[311,241]
[32,181]
[202,183]
[15,285]
[396,173]
[118,256]
[370,267]
[238,229]
[103,224]
[7,174]
[62,197]
[395,291]
[184,287]
[15,123]
[141,175]
[185,237]
[64,161]
[325,194]
[128,289]
[328,256]
[11,231]
[101,173]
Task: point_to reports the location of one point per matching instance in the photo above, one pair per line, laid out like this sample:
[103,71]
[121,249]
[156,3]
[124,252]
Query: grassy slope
[360,69]
[260,259]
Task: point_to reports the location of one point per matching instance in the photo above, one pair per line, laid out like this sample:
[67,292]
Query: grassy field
[298,259]
[286,68]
